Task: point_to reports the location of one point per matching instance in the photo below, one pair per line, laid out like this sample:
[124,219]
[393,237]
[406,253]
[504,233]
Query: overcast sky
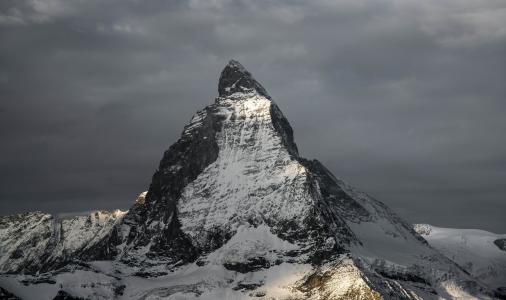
[404,99]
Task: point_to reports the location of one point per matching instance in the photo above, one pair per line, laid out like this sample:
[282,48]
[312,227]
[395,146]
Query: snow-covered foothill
[476,251]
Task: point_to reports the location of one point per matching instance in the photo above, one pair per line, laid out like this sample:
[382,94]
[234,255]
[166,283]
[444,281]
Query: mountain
[233,212]
[479,252]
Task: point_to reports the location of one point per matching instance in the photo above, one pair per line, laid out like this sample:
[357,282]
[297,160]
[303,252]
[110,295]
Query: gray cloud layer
[404,99]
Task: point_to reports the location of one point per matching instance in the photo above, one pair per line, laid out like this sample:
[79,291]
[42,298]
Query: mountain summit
[233,212]
[236,79]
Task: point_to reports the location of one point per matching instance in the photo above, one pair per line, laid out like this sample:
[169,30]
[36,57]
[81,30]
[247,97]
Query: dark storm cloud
[404,99]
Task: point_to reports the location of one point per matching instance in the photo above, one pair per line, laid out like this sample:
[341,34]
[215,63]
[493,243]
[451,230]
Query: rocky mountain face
[233,212]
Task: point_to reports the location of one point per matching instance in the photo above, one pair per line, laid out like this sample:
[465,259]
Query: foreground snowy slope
[233,212]
[479,252]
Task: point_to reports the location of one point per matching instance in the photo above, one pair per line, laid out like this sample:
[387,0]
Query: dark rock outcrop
[6,295]
[236,79]
[501,244]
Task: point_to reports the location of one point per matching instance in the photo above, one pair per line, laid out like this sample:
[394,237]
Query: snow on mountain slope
[253,181]
[233,212]
[33,242]
[476,251]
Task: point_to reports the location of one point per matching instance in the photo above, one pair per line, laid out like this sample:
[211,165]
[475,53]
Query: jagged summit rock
[234,212]
[236,79]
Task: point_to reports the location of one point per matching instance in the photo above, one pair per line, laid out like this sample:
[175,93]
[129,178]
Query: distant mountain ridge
[233,212]
[38,242]
[479,252]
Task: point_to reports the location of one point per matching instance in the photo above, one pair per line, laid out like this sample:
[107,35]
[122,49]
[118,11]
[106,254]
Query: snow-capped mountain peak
[233,212]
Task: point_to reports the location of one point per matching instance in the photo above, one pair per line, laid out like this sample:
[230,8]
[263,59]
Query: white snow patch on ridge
[250,242]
